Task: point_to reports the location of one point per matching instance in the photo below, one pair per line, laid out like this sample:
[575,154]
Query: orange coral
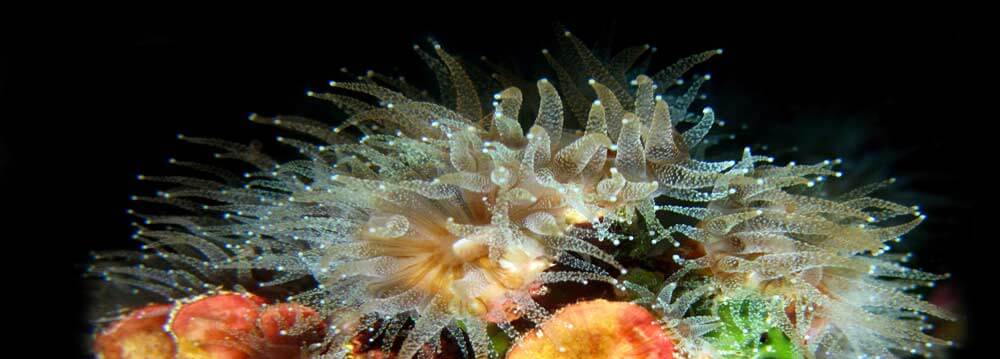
[597,329]
[137,335]
[220,326]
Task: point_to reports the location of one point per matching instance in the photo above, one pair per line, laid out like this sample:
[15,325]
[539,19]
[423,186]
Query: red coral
[219,326]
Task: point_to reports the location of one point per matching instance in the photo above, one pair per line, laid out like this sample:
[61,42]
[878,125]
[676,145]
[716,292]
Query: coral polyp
[822,260]
[414,209]
[471,210]
[420,221]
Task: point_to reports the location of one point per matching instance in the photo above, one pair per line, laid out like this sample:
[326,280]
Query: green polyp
[746,333]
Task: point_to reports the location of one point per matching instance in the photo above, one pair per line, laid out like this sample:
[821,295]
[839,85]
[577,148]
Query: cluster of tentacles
[418,216]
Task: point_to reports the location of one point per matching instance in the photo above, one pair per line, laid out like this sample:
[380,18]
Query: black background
[89,103]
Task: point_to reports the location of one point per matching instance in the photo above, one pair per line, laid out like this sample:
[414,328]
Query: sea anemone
[821,259]
[445,215]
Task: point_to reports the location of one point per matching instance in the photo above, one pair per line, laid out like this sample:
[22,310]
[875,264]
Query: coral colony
[570,217]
